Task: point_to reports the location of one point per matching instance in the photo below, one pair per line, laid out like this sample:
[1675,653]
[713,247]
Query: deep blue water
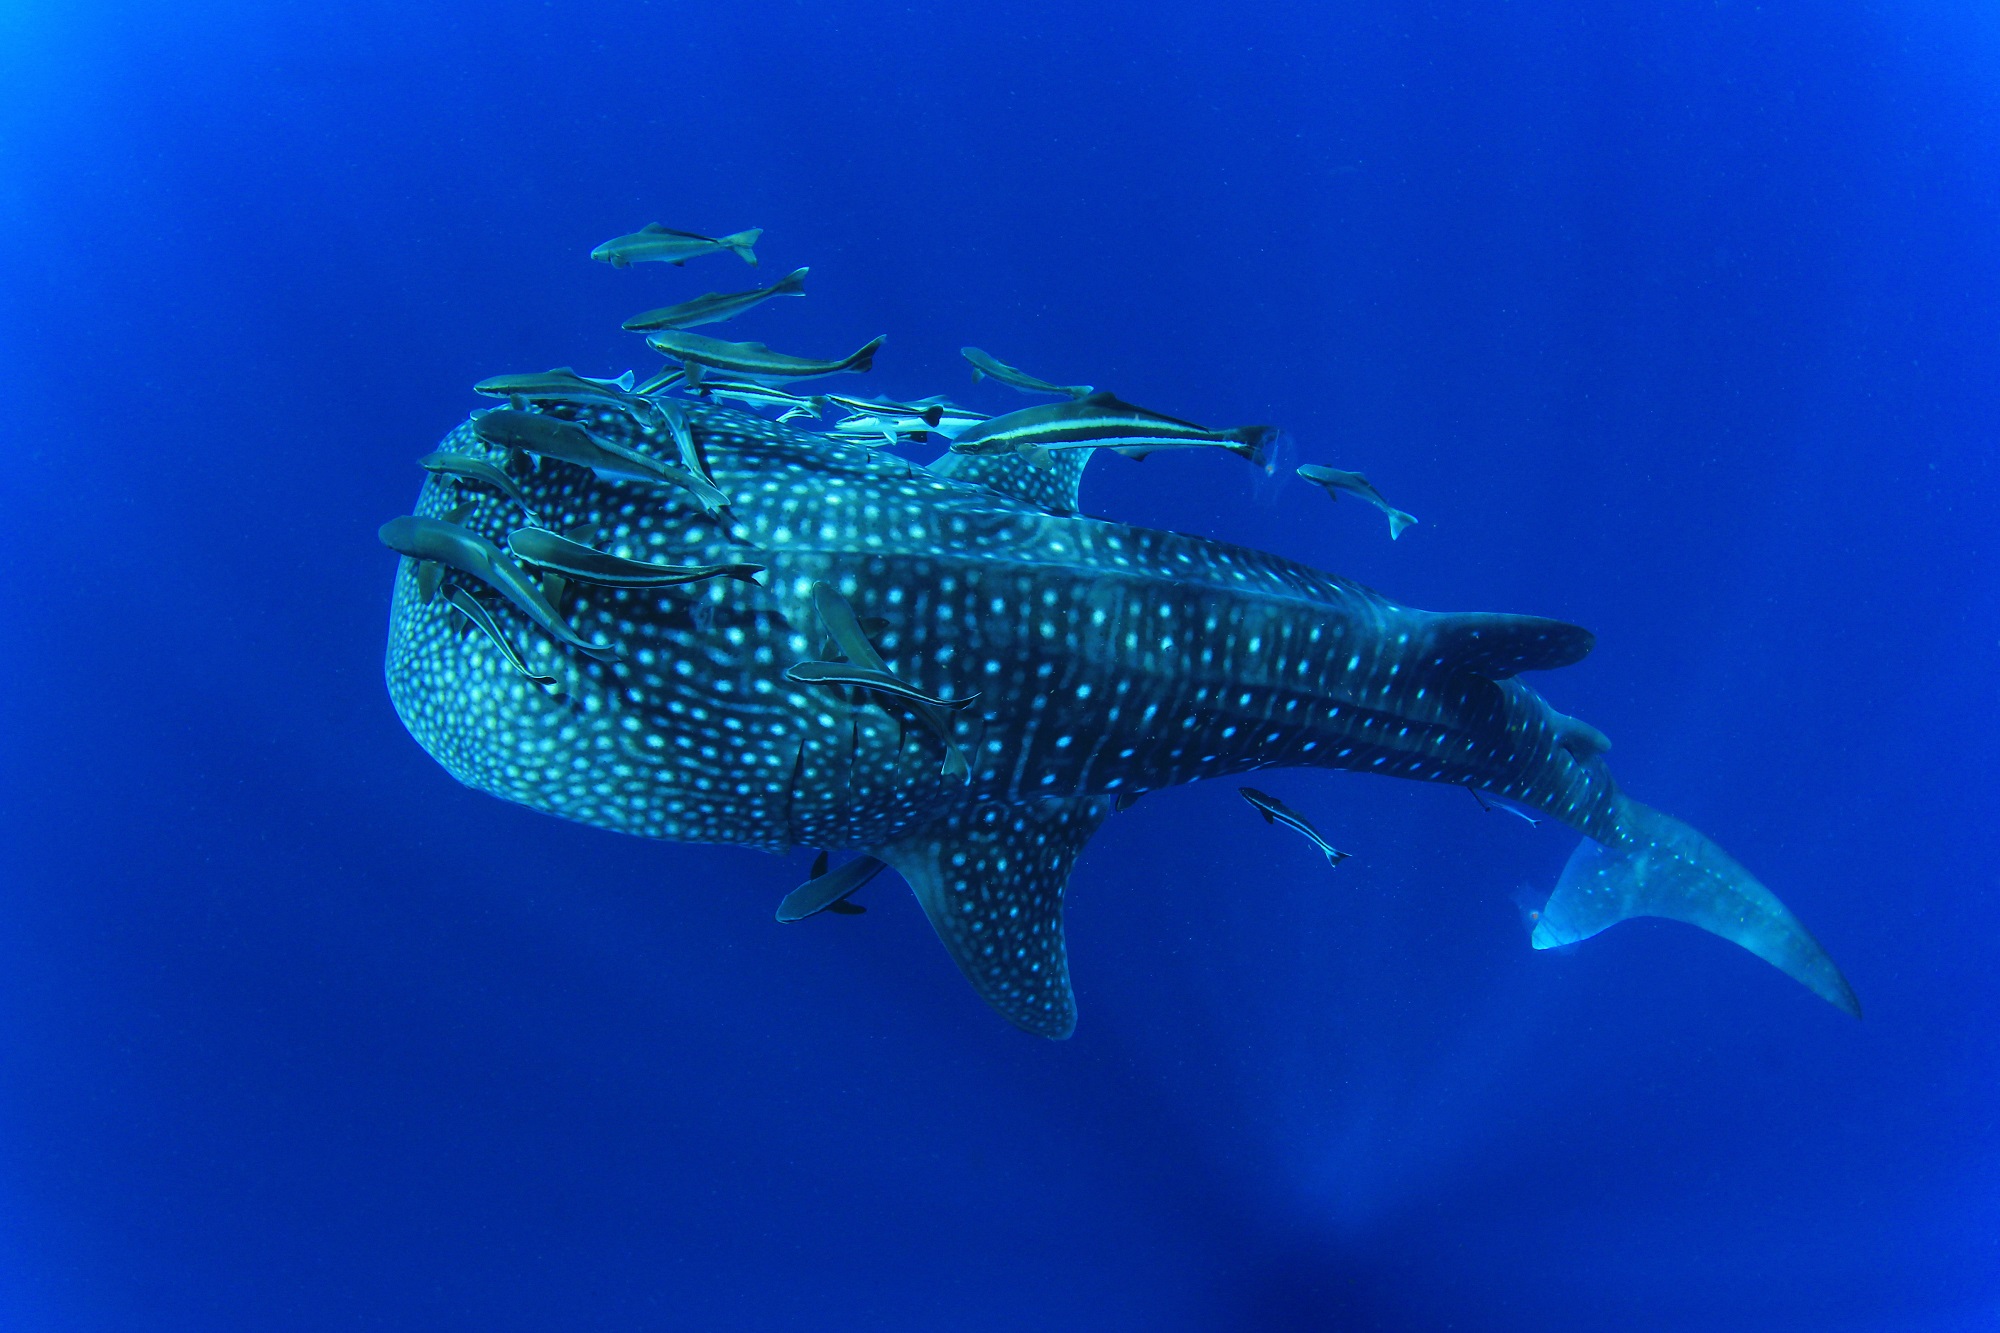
[1677,321]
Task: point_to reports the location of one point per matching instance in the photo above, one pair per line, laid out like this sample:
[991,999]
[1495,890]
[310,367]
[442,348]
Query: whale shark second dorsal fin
[1498,646]
[1051,485]
[990,876]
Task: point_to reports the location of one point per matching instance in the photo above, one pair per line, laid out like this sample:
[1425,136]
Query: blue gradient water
[1679,322]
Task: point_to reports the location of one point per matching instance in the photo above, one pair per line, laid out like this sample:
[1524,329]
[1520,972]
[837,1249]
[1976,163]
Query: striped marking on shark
[1107,660]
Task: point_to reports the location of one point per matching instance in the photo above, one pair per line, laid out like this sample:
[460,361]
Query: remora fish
[655,243]
[714,307]
[564,385]
[571,442]
[1109,658]
[929,414]
[1334,481]
[482,620]
[586,564]
[699,353]
[836,615]
[868,678]
[984,366]
[1101,421]
[828,890]
[764,396]
[1276,811]
[470,553]
[476,470]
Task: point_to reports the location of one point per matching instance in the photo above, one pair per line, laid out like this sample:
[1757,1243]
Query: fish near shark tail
[1651,864]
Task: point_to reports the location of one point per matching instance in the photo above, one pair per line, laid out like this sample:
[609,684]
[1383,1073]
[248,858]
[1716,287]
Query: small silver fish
[986,367]
[714,307]
[1334,481]
[573,560]
[657,244]
[469,553]
[1276,811]
[699,353]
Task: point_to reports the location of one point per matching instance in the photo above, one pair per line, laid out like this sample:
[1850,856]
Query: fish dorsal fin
[655,229]
[1498,646]
[990,877]
[1051,486]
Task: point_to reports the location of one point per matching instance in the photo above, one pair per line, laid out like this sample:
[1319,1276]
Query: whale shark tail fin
[1657,866]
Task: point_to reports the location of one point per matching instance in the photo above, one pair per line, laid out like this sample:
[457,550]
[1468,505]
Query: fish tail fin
[864,360]
[1398,520]
[1654,865]
[1254,443]
[740,244]
[792,284]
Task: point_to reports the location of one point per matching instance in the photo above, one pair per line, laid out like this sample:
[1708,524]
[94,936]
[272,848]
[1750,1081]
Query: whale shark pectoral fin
[1498,646]
[1658,866]
[827,890]
[990,877]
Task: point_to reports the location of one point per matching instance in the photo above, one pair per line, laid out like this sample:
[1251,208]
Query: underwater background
[1679,322]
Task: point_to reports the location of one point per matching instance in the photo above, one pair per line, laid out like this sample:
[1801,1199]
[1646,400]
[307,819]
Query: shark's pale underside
[1106,660]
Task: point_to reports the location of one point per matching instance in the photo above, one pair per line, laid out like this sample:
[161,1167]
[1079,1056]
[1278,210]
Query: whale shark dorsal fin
[990,877]
[1051,485]
[1499,646]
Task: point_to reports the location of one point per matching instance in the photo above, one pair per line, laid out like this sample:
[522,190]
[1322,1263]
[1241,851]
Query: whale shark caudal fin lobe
[1658,866]
[990,878]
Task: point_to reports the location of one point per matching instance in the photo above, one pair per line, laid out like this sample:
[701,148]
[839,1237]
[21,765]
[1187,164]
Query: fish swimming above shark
[698,354]
[1333,481]
[986,366]
[714,307]
[657,244]
[564,385]
[1053,665]
[1102,421]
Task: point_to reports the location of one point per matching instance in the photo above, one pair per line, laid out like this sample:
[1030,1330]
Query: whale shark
[1086,660]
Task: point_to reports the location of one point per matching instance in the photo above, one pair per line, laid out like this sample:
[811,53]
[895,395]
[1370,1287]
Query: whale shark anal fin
[1658,866]
[1051,486]
[990,877]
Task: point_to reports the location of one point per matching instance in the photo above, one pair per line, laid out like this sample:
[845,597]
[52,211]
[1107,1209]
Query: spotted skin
[1107,660]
